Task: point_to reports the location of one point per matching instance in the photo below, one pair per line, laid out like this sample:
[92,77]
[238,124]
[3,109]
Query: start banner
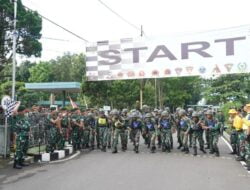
[224,51]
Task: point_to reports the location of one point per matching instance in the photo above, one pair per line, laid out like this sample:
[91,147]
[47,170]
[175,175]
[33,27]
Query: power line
[118,15]
[74,34]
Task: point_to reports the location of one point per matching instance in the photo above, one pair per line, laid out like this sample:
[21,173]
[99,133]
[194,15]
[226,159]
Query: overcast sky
[92,21]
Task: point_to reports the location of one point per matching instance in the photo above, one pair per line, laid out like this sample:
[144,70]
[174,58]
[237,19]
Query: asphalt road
[129,171]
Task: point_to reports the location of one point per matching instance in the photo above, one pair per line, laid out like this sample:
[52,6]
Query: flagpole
[14,52]
[5,137]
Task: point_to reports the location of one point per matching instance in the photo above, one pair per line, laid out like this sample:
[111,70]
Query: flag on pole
[12,106]
[73,104]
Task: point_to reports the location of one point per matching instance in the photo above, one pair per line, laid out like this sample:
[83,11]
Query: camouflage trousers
[190,136]
[20,148]
[166,136]
[241,144]
[109,137]
[103,136]
[151,137]
[135,136]
[184,138]
[118,133]
[52,139]
[86,135]
[92,135]
[247,153]
[60,141]
[213,141]
[76,137]
[197,136]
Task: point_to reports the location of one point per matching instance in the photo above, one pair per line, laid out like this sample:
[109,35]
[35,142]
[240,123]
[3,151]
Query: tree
[42,72]
[23,71]
[29,26]
[234,87]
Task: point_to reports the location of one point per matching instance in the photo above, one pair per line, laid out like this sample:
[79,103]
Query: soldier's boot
[168,148]
[109,146]
[202,150]
[207,147]
[187,150]
[183,149]
[172,145]
[163,148]
[104,148]
[87,145]
[16,165]
[180,145]
[234,150]
[148,145]
[240,158]
[125,147]
[211,151]
[92,147]
[137,149]
[115,150]
[153,149]
[217,153]
[98,146]
[195,151]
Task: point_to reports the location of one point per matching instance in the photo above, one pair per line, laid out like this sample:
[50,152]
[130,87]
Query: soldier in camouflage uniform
[184,130]
[196,126]
[118,130]
[90,123]
[165,128]
[65,124]
[77,125]
[177,123]
[136,126]
[213,127]
[102,125]
[190,134]
[150,130]
[52,119]
[21,128]
[125,120]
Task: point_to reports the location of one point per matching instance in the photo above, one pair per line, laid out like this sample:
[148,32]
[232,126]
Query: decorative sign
[210,53]
[5,101]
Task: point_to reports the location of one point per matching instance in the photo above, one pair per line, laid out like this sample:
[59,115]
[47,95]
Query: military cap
[21,108]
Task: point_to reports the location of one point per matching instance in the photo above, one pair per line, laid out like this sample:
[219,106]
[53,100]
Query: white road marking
[229,146]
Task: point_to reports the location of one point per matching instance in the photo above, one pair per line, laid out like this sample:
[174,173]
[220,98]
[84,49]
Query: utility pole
[14,52]
[141,82]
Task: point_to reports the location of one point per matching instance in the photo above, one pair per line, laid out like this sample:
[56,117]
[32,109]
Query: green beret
[63,109]
[52,109]
[21,108]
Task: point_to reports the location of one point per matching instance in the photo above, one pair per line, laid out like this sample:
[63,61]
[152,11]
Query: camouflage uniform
[135,131]
[150,131]
[21,127]
[184,130]
[76,130]
[51,133]
[197,134]
[214,133]
[103,127]
[90,123]
[118,130]
[165,128]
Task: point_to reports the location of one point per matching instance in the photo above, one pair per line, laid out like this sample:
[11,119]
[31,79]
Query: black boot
[217,153]
[195,151]
[16,165]
[163,148]
[115,150]
[240,158]
[168,148]
[153,149]
[104,148]
[187,151]
[202,150]
[137,149]
[183,149]
[179,147]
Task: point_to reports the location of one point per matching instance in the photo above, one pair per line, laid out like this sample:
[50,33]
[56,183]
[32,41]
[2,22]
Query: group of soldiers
[90,129]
